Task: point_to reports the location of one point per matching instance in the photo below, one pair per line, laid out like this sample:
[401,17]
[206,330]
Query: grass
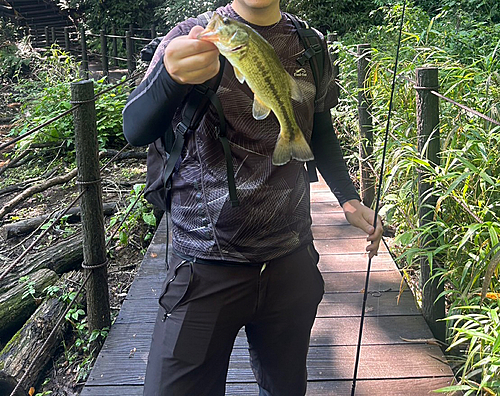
[466,222]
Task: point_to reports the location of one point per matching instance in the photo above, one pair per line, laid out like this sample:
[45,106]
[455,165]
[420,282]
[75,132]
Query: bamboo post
[47,38]
[53,34]
[84,73]
[115,45]
[365,127]
[88,179]
[67,42]
[130,52]
[429,148]
[104,54]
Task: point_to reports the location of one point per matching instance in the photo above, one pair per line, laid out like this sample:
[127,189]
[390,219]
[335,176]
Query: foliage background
[462,38]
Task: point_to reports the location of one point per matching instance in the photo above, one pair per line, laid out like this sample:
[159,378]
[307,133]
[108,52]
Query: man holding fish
[254,265]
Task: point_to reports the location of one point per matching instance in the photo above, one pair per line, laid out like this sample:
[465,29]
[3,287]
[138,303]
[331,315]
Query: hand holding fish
[361,216]
[191,61]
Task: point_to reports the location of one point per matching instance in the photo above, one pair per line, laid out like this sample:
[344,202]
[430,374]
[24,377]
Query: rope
[76,104]
[56,221]
[95,266]
[377,205]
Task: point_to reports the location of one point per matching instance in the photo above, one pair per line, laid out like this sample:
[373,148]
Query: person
[253,266]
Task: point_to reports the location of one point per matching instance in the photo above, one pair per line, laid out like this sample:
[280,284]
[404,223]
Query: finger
[195,31]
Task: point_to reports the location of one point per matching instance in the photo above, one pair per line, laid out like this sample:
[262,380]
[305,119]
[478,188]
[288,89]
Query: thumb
[195,31]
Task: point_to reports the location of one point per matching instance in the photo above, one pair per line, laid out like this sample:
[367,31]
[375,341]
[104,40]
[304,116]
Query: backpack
[164,153]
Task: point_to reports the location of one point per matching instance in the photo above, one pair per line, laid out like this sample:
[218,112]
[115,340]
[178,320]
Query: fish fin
[297,149]
[239,75]
[295,89]
[260,110]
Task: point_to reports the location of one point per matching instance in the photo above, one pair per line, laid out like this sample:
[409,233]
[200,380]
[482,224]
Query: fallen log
[132,154]
[60,258]
[26,226]
[19,352]
[36,189]
[21,300]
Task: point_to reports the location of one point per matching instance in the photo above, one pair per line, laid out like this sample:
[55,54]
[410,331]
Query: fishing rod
[377,204]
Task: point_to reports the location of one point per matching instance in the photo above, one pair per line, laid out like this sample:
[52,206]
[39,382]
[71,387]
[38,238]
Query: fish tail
[296,148]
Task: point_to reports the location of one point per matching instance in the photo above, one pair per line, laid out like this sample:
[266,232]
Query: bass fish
[255,61]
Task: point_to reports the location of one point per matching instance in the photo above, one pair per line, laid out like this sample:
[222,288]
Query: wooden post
[429,148]
[365,128]
[84,73]
[94,244]
[34,36]
[130,53]
[47,38]
[332,53]
[53,34]
[67,42]
[104,54]
[153,31]
[115,45]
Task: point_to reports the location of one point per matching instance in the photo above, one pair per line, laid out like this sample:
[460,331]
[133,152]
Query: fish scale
[255,61]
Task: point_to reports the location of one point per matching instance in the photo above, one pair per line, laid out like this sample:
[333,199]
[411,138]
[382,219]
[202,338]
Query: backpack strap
[315,55]
[193,111]
[313,48]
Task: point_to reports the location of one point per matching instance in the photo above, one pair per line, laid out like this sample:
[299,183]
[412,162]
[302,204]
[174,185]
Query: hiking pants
[202,309]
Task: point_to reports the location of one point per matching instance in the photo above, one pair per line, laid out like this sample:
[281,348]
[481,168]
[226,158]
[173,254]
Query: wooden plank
[326,207]
[354,263]
[343,282]
[334,218]
[349,304]
[398,387]
[335,232]
[112,390]
[326,331]
[146,287]
[376,331]
[114,366]
[323,196]
[346,246]
[332,305]
[376,362]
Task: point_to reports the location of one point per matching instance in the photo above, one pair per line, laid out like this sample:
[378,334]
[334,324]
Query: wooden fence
[111,45]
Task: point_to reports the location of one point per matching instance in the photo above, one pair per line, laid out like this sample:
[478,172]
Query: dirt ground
[62,375]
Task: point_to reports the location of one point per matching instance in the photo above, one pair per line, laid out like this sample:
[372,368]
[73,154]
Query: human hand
[361,216]
[191,61]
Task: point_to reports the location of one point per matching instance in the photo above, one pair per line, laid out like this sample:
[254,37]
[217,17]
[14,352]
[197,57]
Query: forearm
[329,158]
[151,107]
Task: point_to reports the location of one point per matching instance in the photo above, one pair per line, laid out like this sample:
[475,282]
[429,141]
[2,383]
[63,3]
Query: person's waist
[231,263]
[228,263]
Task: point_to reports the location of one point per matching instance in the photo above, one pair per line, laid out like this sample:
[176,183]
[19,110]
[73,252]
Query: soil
[64,373]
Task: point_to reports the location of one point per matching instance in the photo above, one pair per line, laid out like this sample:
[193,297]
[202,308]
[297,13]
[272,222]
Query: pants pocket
[176,286]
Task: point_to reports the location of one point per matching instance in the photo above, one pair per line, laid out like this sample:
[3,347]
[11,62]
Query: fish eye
[226,21]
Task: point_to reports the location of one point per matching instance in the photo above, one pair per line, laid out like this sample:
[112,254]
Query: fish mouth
[237,48]
[208,35]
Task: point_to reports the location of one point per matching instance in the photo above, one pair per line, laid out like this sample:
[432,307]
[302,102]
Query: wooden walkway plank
[389,365]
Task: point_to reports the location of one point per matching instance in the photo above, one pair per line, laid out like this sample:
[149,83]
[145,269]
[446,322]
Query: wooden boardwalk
[389,365]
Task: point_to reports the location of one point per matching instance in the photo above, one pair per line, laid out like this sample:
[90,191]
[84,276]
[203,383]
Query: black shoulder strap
[195,107]
[315,55]
[313,49]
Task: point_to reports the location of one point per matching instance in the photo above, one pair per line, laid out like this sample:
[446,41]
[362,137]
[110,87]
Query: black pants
[204,307]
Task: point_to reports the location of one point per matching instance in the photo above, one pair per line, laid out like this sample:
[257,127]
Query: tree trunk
[35,189]
[17,304]
[60,258]
[26,226]
[17,355]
